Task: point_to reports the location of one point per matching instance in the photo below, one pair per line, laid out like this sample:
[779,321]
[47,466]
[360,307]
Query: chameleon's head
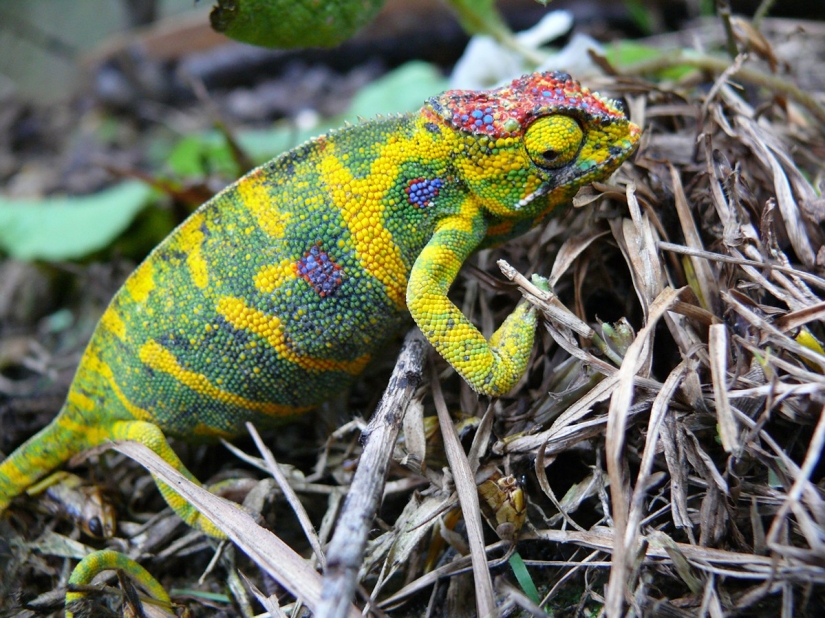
[529,146]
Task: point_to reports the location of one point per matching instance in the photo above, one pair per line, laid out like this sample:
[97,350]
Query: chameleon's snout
[634,130]
[631,143]
[624,143]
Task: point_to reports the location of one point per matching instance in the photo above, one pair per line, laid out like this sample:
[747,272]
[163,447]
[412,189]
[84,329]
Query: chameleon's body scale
[273,295]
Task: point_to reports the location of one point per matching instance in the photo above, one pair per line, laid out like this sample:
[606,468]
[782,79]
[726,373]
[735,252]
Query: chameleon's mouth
[544,189]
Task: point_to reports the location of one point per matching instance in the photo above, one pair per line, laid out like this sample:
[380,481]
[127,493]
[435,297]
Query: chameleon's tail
[53,445]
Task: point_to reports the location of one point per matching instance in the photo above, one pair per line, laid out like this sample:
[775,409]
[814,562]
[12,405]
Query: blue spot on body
[320,271]
[488,119]
[477,113]
[422,191]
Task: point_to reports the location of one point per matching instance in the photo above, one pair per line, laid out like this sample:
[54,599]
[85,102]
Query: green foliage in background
[75,227]
[293,23]
[640,14]
[65,228]
[315,23]
[480,17]
[624,54]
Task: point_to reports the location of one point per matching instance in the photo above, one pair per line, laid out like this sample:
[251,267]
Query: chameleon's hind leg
[50,448]
[106,560]
[150,435]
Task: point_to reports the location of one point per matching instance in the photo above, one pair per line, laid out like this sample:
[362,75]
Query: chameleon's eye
[95,527]
[553,141]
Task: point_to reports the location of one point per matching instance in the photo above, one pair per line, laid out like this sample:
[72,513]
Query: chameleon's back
[266,301]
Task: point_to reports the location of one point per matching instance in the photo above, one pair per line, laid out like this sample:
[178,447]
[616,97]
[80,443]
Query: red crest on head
[506,111]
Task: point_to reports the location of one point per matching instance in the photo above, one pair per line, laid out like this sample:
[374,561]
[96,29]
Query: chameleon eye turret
[274,295]
[553,141]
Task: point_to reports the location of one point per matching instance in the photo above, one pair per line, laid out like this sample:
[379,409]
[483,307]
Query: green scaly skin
[273,295]
[106,560]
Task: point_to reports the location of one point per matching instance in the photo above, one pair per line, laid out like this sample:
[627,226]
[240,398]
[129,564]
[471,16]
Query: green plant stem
[709,63]
[523,577]
[605,349]
[481,18]
[723,8]
[764,8]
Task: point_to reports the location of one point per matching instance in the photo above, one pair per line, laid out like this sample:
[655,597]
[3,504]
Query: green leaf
[403,90]
[69,227]
[622,53]
[201,155]
[641,15]
[293,23]
[479,17]
[523,577]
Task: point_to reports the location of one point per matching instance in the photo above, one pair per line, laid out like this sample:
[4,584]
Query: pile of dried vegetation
[666,440]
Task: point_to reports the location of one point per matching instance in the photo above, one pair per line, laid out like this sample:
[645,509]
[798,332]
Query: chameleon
[273,295]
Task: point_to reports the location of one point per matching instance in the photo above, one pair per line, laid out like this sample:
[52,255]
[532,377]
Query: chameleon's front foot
[512,345]
[489,367]
[106,560]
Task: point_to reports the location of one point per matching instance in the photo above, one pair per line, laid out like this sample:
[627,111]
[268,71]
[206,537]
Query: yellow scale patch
[92,434]
[256,197]
[492,167]
[142,282]
[269,327]
[42,458]
[189,239]
[112,321]
[159,358]
[271,278]
[206,430]
[92,363]
[439,307]
[464,219]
